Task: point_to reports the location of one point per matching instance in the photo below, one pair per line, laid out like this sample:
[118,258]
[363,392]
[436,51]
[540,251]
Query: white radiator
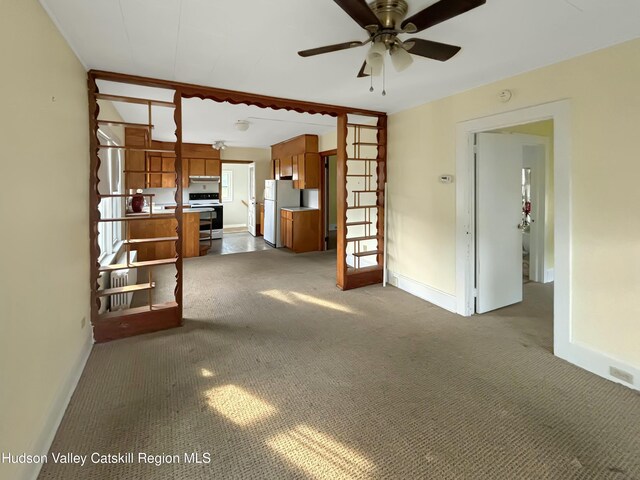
[123,278]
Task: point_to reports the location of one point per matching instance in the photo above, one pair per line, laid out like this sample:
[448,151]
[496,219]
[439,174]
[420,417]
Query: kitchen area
[289,215]
[260,191]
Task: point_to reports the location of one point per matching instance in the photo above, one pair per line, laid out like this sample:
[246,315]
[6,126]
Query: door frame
[537,262]
[560,113]
[251,179]
[323,201]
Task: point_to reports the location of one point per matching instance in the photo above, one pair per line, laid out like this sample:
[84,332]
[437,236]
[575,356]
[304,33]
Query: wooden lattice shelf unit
[113,325]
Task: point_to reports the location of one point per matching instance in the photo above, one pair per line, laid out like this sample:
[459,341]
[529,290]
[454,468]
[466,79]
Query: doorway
[512,212]
[330,200]
[559,112]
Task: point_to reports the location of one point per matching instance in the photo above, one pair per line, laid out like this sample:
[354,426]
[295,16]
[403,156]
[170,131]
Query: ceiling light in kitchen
[242,125]
[219,145]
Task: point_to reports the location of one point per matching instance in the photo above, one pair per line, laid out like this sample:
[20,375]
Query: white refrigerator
[277,194]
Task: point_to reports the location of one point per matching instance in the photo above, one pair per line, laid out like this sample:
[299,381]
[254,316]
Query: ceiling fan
[383,21]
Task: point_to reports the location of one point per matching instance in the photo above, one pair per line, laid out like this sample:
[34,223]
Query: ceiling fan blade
[361,73]
[330,48]
[360,12]
[429,49]
[439,12]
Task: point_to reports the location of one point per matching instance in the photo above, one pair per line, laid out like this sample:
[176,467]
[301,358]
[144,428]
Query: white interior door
[498,215]
[251,210]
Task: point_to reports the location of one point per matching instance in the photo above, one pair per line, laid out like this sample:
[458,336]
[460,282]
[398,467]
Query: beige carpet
[279,375]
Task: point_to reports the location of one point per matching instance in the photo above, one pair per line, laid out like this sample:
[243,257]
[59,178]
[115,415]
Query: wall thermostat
[446,178]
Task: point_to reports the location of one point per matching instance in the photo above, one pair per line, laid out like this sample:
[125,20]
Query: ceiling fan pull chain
[384,80]
[371,78]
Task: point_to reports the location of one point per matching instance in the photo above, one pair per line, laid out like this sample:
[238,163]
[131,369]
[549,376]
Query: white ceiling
[251,45]
[205,121]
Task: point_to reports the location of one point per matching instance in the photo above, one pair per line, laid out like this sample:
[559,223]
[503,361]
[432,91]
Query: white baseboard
[56,411]
[599,363]
[425,292]
[236,225]
[548,275]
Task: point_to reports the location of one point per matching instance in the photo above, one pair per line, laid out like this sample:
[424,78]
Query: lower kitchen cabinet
[163,227]
[300,229]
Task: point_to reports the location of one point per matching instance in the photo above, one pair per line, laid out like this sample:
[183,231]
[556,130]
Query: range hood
[203,179]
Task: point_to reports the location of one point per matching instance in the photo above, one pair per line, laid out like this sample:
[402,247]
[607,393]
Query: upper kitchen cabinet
[297,159]
[157,169]
[135,162]
[306,171]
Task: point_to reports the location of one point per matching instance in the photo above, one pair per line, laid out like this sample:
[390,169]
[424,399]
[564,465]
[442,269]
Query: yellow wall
[543,129]
[262,158]
[44,286]
[605,114]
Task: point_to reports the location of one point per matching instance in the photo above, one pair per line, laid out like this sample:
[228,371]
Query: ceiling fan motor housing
[390,12]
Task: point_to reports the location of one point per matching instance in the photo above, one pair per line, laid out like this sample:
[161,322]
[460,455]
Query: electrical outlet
[621,375]
[83,322]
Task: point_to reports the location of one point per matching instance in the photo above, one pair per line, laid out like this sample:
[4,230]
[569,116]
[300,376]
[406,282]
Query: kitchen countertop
[298,209]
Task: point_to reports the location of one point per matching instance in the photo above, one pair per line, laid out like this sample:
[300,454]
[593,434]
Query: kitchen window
[226,186]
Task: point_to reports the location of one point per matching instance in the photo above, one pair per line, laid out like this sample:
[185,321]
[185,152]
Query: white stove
[210,208]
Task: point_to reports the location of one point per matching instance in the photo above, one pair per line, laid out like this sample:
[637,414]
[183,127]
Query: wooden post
[341,200]
[177,116]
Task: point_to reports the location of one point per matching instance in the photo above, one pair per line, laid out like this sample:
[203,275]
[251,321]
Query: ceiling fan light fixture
[400,58]
[219,145]
[375,59]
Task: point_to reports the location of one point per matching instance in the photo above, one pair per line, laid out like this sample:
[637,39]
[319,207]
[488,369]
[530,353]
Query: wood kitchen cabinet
[306,171]
[297,159]
[135,162]
[168,179]
[165,227]
[262,219]
[141,167]
[196,167]
[299,229]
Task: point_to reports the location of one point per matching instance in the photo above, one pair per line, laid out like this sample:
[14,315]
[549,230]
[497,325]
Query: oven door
[217,217]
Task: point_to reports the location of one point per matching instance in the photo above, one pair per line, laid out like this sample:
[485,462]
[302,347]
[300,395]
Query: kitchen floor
[237,243]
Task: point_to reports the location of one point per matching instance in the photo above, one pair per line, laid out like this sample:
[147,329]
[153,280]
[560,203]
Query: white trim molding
[56,412]
[600,363]
[560,113]
[425,292]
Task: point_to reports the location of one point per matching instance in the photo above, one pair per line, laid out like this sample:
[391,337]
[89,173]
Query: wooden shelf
[368,253]
[139,101]
[369,268]
[125,195]
[369,144]
[367,191]
[136,310]
[355,224]
[125,124]
[139,241]
[359,175]
[362,239]
[135,218]
[148,263]
[127,289]
[151,171]
[364,206]
[361,125]
[358,159]
[138,149]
